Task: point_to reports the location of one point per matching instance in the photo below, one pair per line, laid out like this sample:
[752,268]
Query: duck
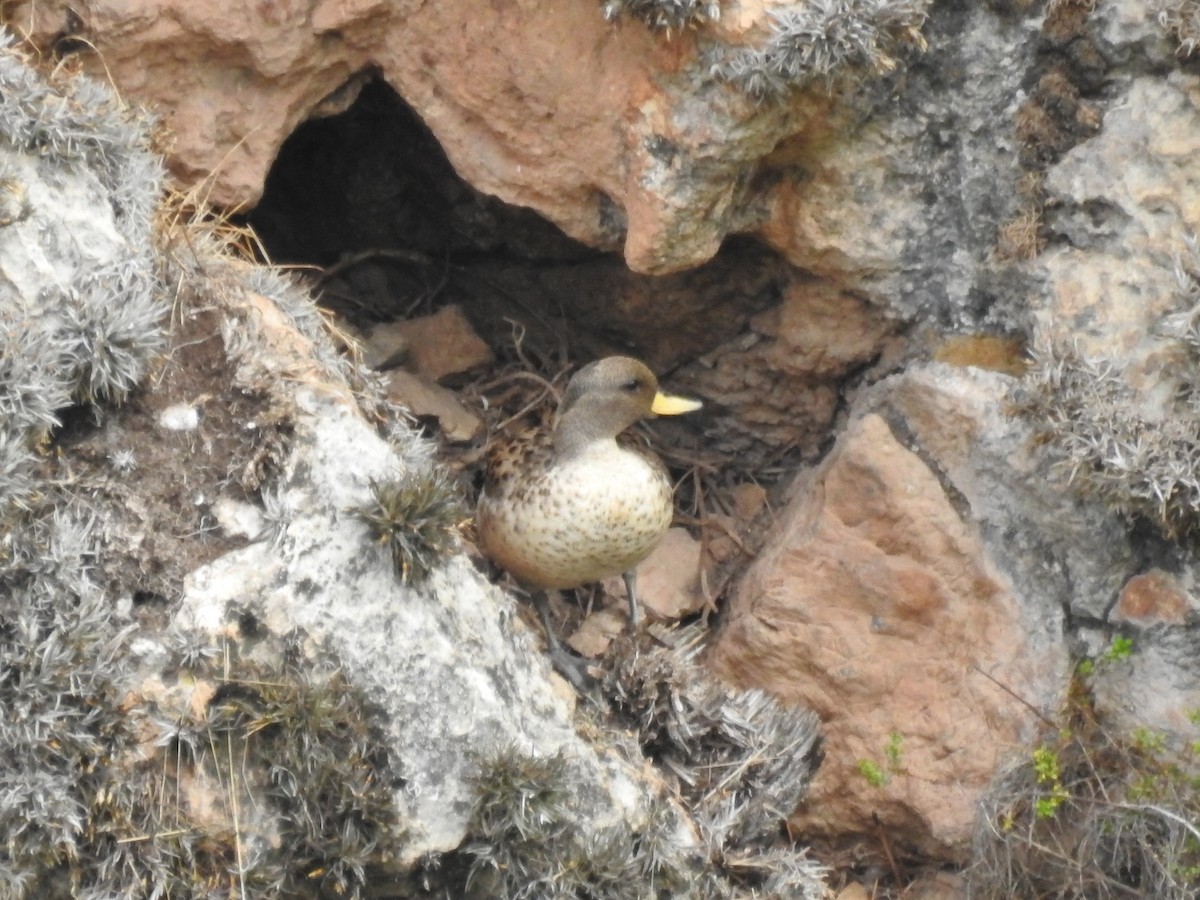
[569,505]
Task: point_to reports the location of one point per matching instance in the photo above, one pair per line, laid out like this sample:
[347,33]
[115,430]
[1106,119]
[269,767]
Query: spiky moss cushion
[81,305]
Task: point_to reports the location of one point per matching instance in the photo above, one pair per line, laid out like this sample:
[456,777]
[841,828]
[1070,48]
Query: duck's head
[606,397]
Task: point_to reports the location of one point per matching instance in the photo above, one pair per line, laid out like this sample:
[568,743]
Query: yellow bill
[668,405]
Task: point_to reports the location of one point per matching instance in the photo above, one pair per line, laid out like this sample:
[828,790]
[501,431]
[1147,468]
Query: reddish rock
[606,129]
[433,346]
[385,347]
[1152,597]
[424,398]
[748,500]
[727,536]
[668,580]
[877,606]
[937,886]
[775,385]
[668,588]
[854,891]
[597,631]
[820,331]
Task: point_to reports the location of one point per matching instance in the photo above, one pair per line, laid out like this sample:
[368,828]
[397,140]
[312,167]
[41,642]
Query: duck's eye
[633,385]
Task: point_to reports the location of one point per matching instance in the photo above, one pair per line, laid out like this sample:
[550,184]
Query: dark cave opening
[368,207]
[369,196]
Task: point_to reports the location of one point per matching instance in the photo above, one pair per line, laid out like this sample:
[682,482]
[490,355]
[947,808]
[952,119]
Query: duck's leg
[571,667]
[630,578]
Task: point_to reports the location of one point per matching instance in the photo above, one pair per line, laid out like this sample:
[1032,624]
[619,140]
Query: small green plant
[872,772]
[417,518]
[877,775]
[1045,765]
[892,751]
[1046,807]
[1115,812]
[1149,741]
[1046,768]
[1120,648]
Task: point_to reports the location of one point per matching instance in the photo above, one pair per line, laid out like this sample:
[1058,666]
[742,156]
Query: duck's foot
[570,666]
[573,668]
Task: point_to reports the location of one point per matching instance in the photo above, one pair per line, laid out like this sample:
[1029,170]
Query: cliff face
[934,266]
[218,677]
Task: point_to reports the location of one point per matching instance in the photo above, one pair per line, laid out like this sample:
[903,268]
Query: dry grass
[1092,813]
[1020,238]
[1181,20]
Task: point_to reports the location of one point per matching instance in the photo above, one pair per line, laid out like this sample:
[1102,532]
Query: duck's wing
[517,458]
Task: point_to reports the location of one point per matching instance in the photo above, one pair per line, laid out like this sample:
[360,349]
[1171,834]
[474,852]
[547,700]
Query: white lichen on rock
[81,305]
[1135,447]
[665,15]
[822,39]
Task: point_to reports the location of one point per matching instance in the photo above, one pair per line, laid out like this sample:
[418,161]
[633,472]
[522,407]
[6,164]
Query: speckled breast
[598,514]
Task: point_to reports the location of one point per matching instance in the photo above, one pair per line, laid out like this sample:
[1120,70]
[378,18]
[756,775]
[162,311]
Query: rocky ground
[931,267]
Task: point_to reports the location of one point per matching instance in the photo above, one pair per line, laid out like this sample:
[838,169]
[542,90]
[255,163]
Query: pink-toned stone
[1153,597]
[433,346]
[748,500]
[668,580]
[726,535]
[424,398]
[545,105]
[854,891]
[385,347]
[938,886]
[597,631]
[877,606]
[774,385]
[820,331]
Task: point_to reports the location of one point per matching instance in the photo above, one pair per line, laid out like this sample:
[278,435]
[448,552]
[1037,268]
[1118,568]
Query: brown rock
[748,500]
[854,891]
[819,330]
[726,535]
[937,886]
[984,351]
[668,580]
[723,538]
[510,91]
[774,385]
[424,398]
[432,346]
[597,631]
[385,346]
[1152,597]
[877,606]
